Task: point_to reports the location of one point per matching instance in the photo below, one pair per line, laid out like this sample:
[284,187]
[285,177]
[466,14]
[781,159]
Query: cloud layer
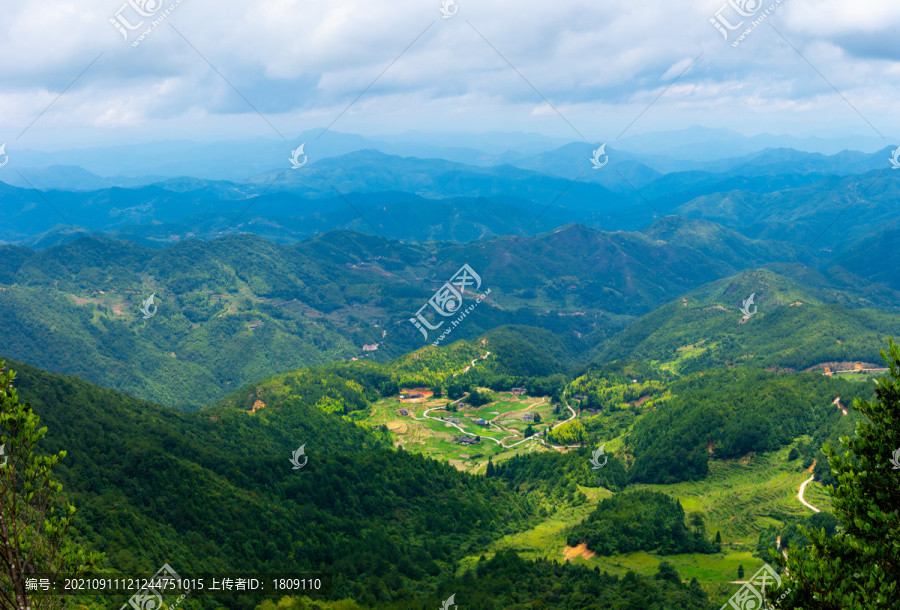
[227,69]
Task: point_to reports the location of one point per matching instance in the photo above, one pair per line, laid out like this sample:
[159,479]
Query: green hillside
[793,328]
[240,308]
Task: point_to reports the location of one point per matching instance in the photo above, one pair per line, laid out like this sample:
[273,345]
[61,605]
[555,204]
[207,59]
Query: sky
[594,71]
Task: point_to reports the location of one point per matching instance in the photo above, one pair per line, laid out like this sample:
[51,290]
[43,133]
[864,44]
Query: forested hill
[240,308]
[216,492]
[793,325]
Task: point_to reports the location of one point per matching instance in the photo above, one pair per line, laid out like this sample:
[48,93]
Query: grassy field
[739,499]
[418,434]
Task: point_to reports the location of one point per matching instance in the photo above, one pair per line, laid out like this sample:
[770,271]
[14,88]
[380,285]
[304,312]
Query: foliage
[34,522]
[640,521]
[149,478]
[858,568]
[477,399]
[508,581]
[732,412]
[568,433]
[552,472]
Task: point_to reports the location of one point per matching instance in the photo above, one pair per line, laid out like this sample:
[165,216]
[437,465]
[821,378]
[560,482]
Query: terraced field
[739,499]
[422,431]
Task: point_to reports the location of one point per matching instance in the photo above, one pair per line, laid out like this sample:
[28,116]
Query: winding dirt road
[800,494]
[502,442]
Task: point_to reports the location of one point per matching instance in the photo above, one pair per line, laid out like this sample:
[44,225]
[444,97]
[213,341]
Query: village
[464,434]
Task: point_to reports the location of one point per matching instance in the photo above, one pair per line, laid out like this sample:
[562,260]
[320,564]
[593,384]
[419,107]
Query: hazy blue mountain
[236,160]
[574,161]
[370,171]
[875,256]
[70,177]
[708,144]
[824,215]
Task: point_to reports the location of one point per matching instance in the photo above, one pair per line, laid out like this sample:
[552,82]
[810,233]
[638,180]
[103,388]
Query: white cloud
[302,62]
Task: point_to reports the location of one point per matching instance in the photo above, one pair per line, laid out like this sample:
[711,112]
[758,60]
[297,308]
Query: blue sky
[567,69]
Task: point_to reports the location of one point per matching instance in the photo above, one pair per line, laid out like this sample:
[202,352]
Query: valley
[650,400]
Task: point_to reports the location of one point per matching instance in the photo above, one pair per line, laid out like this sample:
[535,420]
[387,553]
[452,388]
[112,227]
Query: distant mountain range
[147,162]
[239,307]
[780,194]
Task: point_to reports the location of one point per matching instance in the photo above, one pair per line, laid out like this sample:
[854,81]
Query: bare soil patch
[571,552]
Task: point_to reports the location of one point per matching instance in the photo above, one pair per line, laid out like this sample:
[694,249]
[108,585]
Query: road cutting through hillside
[803,489]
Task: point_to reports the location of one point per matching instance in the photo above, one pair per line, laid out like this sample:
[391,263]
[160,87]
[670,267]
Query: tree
[529,431]
[34,522]
[390,388]
[436,390]
[477,399]
[697,522]
[490,468]
[456,389]
[718,538]
[793,454]
[740,571]
[858,567]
